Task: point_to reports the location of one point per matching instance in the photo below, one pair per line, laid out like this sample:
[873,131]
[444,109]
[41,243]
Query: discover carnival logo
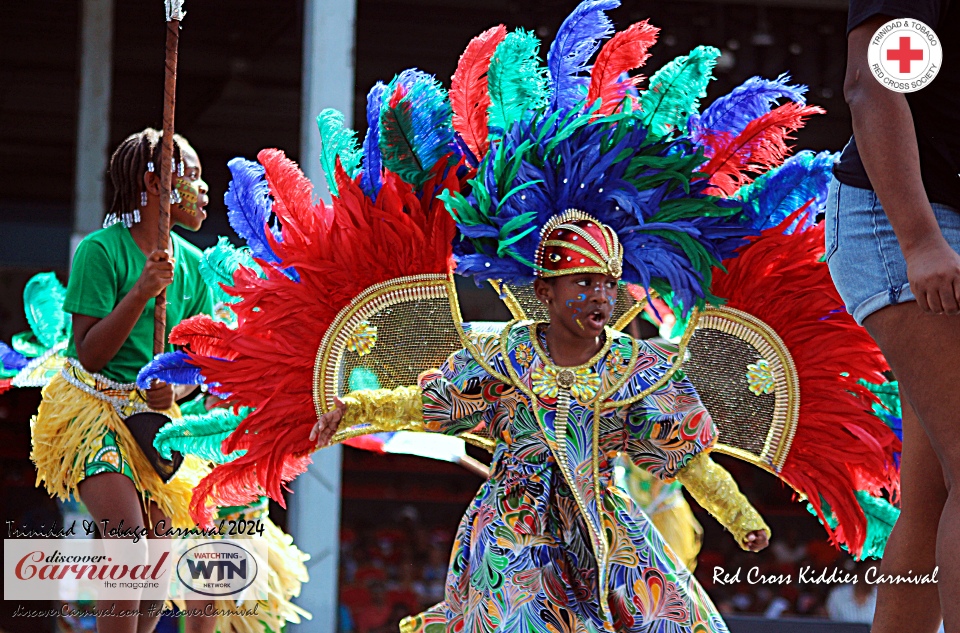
[905,55]
[121,569]
[217,568]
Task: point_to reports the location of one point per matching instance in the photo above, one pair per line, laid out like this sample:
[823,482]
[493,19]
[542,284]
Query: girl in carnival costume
[81,447]
[550,538]
[537,169]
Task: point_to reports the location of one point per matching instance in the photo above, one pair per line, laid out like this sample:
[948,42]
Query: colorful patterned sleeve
[461,395]
[666,429]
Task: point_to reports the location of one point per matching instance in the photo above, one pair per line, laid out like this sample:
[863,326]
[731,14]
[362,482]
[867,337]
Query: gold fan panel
[726,353]
[394,331]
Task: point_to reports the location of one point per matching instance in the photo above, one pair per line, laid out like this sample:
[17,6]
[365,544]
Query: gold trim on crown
[611,265]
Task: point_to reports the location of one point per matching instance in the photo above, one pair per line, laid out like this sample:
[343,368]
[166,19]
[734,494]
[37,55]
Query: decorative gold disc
[566,378]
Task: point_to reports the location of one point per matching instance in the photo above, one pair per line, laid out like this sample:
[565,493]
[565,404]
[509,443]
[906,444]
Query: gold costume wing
[385,338]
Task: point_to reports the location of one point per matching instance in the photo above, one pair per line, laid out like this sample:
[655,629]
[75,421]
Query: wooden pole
[174,13]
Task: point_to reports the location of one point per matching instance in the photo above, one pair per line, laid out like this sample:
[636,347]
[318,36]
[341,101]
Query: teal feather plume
[337,141]
[516,81]
[362,378]
[43,303]
[675,90]
[220,262]
[881,516]
[200,435]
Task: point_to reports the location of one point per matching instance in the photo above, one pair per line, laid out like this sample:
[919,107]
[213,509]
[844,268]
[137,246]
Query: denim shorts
[863,254]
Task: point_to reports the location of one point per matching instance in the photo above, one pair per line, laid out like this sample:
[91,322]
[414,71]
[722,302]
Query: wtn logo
[217,568]
[224,569]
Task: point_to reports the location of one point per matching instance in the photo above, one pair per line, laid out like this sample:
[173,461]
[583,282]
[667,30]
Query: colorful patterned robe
[535,550]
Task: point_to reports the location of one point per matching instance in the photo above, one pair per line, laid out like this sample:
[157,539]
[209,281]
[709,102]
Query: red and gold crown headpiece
[576,242]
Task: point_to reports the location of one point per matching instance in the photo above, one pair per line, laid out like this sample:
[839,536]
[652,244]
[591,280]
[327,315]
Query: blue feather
[372,179]
[249,207]
[416,131]
[577,40]
[753,98]
[672,232]
[11,359]
[173,368]
[778,193]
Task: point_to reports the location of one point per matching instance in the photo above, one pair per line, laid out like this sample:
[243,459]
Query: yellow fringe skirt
[68,432]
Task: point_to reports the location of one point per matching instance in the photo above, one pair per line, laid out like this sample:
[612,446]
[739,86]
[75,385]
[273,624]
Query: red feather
[292,194]
[202,335]
[267,361]
[839,446]
[626,51]
[759,147]
[468,90]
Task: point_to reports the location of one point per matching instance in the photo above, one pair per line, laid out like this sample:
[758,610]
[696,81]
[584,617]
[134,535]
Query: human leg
[199,623]
[150,609]
[112,498]
[911,548]
[922,350]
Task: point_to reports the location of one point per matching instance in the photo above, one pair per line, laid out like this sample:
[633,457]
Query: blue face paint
[580,298]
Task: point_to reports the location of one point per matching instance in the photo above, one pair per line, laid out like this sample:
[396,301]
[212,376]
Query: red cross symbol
[905,55]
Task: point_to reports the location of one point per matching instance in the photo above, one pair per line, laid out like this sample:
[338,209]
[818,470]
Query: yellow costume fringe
[287,574]
[66,432]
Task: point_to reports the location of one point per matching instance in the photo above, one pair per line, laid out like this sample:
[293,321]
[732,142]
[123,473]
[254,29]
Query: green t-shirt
[106,266]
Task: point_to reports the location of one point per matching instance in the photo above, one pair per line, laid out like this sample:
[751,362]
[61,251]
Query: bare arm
[98,340]
[887,141]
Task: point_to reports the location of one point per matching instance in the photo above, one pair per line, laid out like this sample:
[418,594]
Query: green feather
[27,344]
[362,378]
[889,394]
[881,516]
[200,435]
[337,141]
[43,303]
[675,90]
[516,81]
[197,406]
[220,262]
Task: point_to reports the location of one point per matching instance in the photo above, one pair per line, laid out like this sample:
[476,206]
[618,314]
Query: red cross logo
[905,55]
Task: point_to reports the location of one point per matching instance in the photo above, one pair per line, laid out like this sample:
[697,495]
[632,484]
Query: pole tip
[174,10]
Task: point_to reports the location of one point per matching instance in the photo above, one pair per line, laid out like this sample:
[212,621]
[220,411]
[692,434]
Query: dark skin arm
[882,123]
[99,340]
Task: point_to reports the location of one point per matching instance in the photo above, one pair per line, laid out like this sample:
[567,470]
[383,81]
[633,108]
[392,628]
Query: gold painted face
[190,211]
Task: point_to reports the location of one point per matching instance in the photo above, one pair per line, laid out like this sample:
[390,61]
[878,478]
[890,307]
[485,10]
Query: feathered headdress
[34,356]
[646,164]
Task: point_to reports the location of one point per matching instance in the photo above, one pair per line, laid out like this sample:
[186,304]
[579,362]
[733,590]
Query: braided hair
[137,154]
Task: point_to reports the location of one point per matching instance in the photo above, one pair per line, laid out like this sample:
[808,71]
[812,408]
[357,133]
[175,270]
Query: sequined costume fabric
[538,549]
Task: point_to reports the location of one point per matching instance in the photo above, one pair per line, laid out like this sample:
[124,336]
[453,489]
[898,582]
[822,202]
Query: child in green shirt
[81,446]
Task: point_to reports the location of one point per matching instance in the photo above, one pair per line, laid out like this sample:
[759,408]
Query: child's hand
[157,274]
[328,423]
[160,396]
[756,540]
